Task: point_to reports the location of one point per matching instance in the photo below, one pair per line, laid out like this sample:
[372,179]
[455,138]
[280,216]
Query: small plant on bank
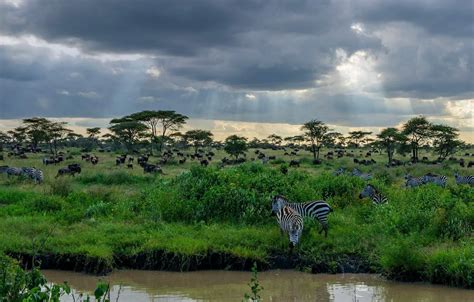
[255,287]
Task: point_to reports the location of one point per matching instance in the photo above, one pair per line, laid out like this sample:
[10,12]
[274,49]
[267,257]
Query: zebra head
[278,202]
[368,191]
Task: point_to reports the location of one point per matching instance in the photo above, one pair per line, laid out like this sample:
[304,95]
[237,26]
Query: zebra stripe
[13,171]
[464,180]
[291,222]
[358,173]
[375,195]
[440,180]
[33,173]
[412,182]
[317,209]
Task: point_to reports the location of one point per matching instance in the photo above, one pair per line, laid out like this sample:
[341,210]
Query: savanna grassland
[196,217]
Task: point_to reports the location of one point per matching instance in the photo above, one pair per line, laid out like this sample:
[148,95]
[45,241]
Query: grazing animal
[130,166]
[439,180]
[294,163]
[411,182]
[204,162]
[150,168]
[317,209]
[94,160]
[182,161]
[358,173]
[290,221]
[13,171]
[470,164]
[464,180]
[371,192]
[33,173]
[339,171]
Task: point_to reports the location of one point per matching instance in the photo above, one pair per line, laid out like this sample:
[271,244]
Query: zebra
[13,171]
[33,173]
[358,173]
[290,221]
[439,180]
[317,209]
[468,180]
[411,182]
[339,171]
[374,194]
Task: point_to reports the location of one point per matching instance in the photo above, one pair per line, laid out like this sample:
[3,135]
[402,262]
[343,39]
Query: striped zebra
[33,173]
[371,192]
[291,222]
[411,182]
[339,171]
[464,180]
[358,173]
[13,171]
[317,209]
[439,180]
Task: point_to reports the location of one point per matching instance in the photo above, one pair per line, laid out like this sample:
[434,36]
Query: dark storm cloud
[451,18]
[210,54]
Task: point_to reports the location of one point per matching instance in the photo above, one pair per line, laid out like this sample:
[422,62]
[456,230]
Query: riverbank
[211,218]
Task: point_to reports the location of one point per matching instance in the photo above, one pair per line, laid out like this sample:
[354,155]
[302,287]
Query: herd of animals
[289,215]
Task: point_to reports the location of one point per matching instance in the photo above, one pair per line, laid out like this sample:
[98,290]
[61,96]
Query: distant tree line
[157,130]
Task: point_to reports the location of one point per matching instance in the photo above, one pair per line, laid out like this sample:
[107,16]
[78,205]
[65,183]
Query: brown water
[279,285]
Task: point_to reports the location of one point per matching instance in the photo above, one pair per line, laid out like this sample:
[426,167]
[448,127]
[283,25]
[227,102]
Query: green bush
[61,187]
[402,259]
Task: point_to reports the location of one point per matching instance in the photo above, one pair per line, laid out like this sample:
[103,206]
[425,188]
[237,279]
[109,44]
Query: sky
[247,67]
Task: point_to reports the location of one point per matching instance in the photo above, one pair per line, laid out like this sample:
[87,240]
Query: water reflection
[279,285]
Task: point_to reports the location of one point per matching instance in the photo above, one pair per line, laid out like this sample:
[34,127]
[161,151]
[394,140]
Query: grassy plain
[194,217]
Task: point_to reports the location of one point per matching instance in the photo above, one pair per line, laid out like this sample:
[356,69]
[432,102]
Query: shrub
[403,260]
[61,187]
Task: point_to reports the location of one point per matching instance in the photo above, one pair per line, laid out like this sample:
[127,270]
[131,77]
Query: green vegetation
[113,217]
[192,217]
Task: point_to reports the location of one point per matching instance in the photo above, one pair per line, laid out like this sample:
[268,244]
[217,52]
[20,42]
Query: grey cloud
[225,50]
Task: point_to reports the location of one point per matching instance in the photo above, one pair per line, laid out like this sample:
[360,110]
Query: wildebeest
[294,163]
[204,162]
[150,168]
[71,169]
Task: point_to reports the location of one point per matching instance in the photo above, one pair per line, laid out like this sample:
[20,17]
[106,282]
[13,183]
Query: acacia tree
[55,132]
[127,130]
[445,140]
[315,132]
[389,139]
[358,137]
[198,138]
[18,135]
[36,130]
[418,131]
[4,139]
[332,139]
[275,139]
[235,145]
[93,135]
[168,120]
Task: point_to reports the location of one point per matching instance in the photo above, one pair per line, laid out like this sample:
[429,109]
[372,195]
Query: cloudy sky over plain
[231,65]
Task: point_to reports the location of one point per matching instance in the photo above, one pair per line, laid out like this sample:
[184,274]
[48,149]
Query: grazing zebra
[290,221]
[339,171]
[464,180]
[33,173]
[364,176]
[13,171]
[411,182]
[439,180]
[374,194]
[317,209]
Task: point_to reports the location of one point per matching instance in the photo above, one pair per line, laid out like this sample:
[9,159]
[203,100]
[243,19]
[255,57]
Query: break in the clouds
[349,63]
